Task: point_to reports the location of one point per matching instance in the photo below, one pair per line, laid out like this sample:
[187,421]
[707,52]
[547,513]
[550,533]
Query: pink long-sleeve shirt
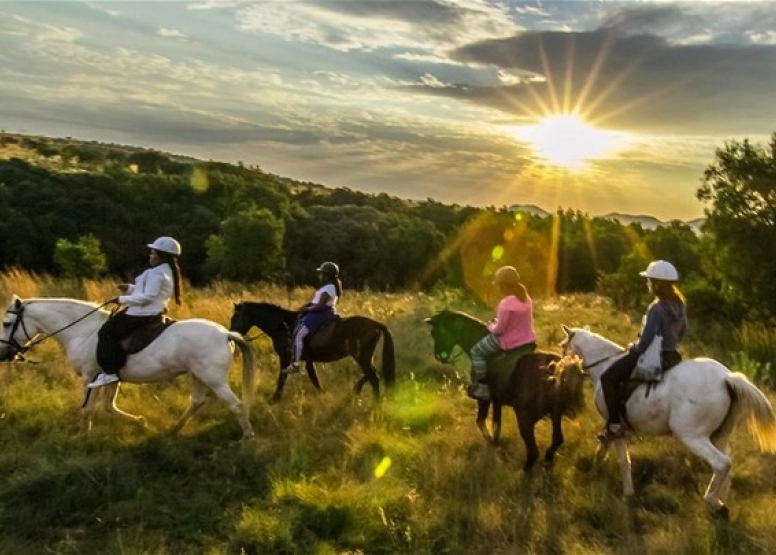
[514,325]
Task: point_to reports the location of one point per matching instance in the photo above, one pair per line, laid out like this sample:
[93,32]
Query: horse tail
[389,357]
[248,367]
[748,401]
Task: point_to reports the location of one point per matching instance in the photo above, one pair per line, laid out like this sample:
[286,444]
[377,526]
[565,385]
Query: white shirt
[150,293]
[331,290]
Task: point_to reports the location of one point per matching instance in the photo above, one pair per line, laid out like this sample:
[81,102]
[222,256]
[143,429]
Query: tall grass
[336,473]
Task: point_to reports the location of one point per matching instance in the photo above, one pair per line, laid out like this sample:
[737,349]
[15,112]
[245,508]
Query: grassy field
[333,473]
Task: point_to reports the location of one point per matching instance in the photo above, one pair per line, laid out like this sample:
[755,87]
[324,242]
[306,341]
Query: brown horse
[538,385]
[355,336]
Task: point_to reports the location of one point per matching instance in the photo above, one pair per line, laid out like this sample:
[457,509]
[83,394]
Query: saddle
[322,336]
[141,338]
[669,359]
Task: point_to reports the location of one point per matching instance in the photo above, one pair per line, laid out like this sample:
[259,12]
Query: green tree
[82,259]
[249,247]
[740,189]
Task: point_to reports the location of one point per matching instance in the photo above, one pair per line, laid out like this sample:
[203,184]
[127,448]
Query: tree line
[92,212]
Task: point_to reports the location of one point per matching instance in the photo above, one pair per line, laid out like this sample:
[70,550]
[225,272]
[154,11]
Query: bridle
[586,367]
[18,350]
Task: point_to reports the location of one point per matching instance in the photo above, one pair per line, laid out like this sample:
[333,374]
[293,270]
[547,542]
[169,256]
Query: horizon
[606,106]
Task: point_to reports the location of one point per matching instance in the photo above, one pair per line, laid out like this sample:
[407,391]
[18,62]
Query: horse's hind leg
[720,464]
[223,392]
[199,396]
[370,375]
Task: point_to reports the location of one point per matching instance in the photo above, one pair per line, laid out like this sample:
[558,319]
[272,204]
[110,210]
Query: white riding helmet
[662,270]
[166,244]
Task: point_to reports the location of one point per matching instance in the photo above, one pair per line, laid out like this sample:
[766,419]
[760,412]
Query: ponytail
[172,260]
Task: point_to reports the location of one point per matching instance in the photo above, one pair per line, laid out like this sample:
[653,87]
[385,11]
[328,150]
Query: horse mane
[597,336]
[566,385]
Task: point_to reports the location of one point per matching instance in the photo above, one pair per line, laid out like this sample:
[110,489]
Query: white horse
[200,348]
[700,401]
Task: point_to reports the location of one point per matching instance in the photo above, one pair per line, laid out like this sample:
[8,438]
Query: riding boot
[478,389]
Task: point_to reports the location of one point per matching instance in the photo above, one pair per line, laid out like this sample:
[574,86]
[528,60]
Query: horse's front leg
[526,426]
[278,393]
[623,458]
[557,438]
[310,367]
[482,420]
[111,392]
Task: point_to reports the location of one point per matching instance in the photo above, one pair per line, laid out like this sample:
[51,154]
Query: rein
[38,338]
[599,361]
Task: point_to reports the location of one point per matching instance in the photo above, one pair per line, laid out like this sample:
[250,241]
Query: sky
[595,106]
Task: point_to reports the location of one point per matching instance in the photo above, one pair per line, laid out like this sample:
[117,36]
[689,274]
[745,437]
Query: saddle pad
[322,336]
[140,339]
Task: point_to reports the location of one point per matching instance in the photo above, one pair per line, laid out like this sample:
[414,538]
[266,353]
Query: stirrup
[607,434]
[292,368]
[479,391]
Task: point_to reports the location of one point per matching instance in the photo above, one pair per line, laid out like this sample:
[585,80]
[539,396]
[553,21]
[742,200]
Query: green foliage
[740,187]
[249,248]
[310,483]
[82,259]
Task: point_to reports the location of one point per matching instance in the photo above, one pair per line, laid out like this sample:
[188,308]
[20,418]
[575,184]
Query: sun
[568,142]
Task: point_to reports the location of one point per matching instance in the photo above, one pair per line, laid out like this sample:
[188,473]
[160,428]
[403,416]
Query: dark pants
[110,355]
[612,381]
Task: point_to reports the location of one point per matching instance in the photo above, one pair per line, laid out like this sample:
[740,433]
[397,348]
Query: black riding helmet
[329,269]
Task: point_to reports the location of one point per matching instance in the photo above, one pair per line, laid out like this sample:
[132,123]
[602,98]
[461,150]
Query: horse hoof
[722,513]
[274,399]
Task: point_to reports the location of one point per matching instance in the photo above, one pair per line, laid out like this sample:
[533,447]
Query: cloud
[625,77]
[172,34]
[368,25]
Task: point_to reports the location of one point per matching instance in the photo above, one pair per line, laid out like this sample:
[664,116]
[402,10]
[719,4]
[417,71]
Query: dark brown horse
[538,385]
[355,336]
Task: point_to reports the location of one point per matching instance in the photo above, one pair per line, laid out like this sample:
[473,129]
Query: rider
[512,328]
[317,312]
[666,316]
[145,300]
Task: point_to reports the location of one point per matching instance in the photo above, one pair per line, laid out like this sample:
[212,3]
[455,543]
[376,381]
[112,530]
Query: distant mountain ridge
[645,221]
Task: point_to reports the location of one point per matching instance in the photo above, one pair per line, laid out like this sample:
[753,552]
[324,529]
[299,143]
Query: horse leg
[723,444]
[623,459]
[111,393]
[199,395]
[557,438]
[87,409]
[370,375]
[223,392]
[497,422]
[310,367]
[720,464]
[279,387]
[482,420]
[526,426]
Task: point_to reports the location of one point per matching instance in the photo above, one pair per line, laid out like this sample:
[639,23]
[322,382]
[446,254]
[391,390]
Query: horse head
[271,319]
[239,321]
[17,333]
[595,351]
[450,328]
